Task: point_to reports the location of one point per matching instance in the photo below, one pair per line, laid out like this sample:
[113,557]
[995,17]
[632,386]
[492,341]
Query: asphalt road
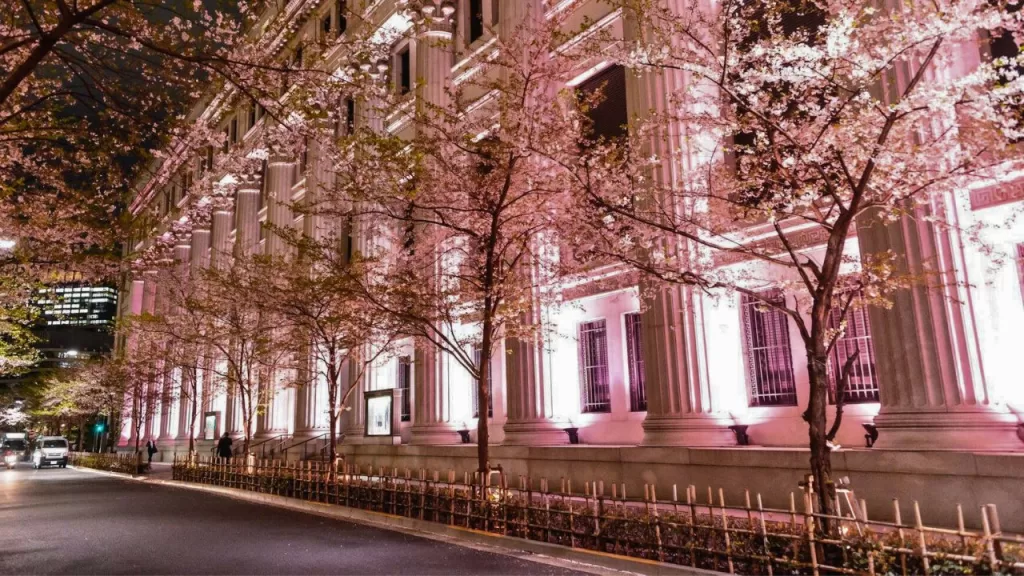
[63,521]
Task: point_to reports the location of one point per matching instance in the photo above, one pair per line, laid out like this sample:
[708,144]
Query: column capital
[432,18]
[249,182]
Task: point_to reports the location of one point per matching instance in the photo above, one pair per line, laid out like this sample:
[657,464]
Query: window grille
[863,384]
[405,386]
[593,356]
[635,358]
[475,388]
[769,357]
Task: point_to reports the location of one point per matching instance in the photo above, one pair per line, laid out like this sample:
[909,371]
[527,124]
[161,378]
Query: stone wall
[938,480]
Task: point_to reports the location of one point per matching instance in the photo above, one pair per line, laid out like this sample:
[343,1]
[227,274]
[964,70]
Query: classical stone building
[656,396]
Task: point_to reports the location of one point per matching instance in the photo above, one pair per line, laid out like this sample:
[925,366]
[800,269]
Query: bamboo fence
[699,530]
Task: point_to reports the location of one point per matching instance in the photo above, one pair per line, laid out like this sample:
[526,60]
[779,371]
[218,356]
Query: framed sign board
[379,412]
[210,425]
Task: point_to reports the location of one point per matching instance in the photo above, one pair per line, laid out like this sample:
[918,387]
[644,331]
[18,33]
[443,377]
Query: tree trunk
[332,411]
[816,416]
[483,397]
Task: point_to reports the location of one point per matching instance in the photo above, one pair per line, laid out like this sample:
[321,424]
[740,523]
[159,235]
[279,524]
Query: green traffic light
[99,426]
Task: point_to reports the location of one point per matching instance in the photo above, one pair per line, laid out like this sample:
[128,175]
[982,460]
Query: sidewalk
[574,558]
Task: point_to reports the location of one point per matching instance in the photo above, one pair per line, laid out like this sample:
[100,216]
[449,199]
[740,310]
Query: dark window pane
[635,358]
[608,117]
[476,19]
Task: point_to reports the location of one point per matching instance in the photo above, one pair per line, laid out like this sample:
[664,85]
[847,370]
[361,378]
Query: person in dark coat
[224,446]
[151,449]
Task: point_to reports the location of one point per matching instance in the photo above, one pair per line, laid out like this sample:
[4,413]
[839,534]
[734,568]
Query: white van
[50,450]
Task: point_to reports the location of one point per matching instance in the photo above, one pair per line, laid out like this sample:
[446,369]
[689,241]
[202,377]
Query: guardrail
[704,533]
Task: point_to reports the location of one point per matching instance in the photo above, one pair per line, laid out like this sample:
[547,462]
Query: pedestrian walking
[151,449]
[224,446]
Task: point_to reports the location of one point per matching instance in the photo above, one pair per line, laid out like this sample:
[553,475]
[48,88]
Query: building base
[535,433]
[690,430]
[434,435]
[954,430]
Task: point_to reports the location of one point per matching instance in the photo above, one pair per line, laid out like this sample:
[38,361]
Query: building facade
[691,372]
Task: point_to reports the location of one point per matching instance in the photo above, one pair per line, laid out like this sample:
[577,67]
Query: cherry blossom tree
[247,341]
[320,291]
[796,124]
[465,213]
[136,371]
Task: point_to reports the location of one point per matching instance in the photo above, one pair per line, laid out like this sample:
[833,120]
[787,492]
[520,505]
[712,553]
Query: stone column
[220,235]
[220,258]
[309,405]
[932,386]
[528,383]
[136,292]
[173,399]
[528,388]
[432,411]
[247,206]
[680,410]
[149,303]
[199,258]
[280,173]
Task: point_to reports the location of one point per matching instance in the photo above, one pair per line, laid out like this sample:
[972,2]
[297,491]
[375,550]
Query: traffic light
[99,427]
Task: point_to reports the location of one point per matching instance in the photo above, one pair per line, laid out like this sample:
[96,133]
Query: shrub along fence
[125,463]
[703,532]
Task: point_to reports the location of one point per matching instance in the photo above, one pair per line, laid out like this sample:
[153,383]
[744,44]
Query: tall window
[234,130]
[251,118]
[403,71]
[342,7]
[635,358]
[475,394]
[404,386]
[607,112]
[327,26]
[350,116]
[593,351]
[1020,267]
[769,358]
[863,385]
[263,184]
[476,19]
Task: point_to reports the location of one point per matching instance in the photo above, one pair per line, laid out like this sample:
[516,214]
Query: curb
[575,558]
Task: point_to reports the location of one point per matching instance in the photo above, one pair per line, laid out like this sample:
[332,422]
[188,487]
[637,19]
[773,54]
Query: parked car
[50,450]
[10,453]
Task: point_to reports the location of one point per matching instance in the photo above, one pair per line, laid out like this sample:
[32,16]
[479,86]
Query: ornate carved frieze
[997,194]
